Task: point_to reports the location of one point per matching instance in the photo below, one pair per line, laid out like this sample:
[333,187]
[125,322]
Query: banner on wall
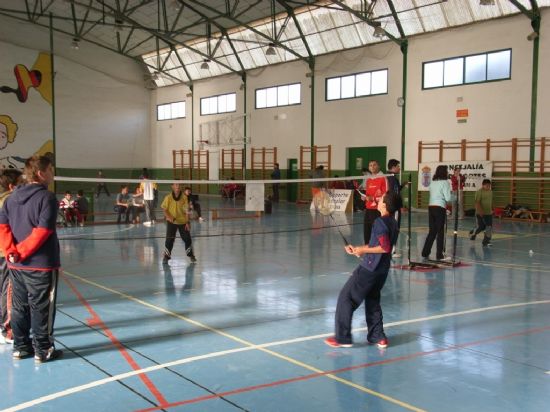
[474,171]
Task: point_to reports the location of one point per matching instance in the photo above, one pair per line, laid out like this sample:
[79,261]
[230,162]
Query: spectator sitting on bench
[230,189]
[71,213]
[122,205]
[81,205]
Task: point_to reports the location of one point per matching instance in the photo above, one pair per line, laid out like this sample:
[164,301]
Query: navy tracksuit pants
[362,285]
[33,307]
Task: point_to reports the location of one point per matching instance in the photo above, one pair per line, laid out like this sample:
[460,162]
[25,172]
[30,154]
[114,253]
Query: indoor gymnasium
[274,205]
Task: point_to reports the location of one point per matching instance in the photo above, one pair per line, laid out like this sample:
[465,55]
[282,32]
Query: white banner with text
[473,170]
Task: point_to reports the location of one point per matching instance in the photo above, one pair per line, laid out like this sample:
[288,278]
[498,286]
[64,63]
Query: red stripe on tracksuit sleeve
[385,243]
[33,242]
[6,239]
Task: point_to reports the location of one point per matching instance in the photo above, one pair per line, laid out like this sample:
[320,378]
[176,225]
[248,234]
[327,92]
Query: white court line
[211,355]
[312,310]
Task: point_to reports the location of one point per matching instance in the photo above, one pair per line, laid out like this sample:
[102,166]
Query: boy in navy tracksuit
[30,244]
[368,278]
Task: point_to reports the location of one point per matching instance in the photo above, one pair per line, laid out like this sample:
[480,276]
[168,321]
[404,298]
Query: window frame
[170,104]
[277,95]
[355,96]
[217,96]
[464,57]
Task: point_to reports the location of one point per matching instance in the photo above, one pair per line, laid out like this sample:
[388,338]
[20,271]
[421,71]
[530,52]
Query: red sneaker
[382,344]
[334,343]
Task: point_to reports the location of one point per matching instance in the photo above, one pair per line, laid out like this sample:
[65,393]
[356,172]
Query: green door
[291,173]
[359,157]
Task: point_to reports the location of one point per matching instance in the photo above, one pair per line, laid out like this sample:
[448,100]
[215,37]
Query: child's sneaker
[22,353]
[49,355]
[192,258]
[335,344]
[382,343]
[486,242]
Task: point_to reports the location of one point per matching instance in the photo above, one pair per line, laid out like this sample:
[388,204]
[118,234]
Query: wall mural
[19,130]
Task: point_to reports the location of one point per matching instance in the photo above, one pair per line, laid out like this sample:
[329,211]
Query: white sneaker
[201,219]
[147,223]
[396,255]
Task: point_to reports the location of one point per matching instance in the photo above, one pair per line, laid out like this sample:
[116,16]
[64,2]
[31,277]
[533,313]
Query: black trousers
[275,187]
[484,223]
[123,210]
[171,230]
[33,307]
[370,217]
[5,305]
[101,186]
[363,285]
[437,217]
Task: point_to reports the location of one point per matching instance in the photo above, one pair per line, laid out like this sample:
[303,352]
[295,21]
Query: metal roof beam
[166,39]
[396,18]
[370,22]
[290,12]
[182,64]
[224,32]
[240,23]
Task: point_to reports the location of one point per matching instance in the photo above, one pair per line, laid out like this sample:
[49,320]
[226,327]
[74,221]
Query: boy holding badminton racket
[367,279]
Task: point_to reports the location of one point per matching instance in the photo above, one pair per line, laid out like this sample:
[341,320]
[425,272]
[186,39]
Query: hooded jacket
[27,228]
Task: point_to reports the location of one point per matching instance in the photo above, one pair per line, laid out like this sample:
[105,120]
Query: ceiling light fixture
[75,44]
[270,51]
[205,65]
[379,32]
[118,25]
[486,2]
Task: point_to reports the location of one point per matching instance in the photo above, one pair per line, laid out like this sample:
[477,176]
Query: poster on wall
[474,171]
[25,108]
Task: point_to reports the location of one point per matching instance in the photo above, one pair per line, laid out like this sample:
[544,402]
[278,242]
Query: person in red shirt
[456,180]
[376,187]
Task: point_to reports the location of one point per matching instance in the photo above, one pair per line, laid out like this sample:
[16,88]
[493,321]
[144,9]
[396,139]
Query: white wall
[498,110]
[366,121]
[102,107]
[168,135]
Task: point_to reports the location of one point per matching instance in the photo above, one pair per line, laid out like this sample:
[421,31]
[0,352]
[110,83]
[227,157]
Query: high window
[285,95]
[223,103]
[170,111]
[477,68]
[357,85]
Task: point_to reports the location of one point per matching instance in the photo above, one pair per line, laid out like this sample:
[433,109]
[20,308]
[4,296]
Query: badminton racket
[326,207]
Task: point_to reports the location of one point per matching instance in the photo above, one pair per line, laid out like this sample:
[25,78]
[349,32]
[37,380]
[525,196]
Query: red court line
[95,320]
[346,369]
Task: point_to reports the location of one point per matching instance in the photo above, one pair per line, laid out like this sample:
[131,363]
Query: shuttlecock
[531,253]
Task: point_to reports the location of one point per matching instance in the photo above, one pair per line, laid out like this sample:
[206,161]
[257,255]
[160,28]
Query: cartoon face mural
[8,131]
